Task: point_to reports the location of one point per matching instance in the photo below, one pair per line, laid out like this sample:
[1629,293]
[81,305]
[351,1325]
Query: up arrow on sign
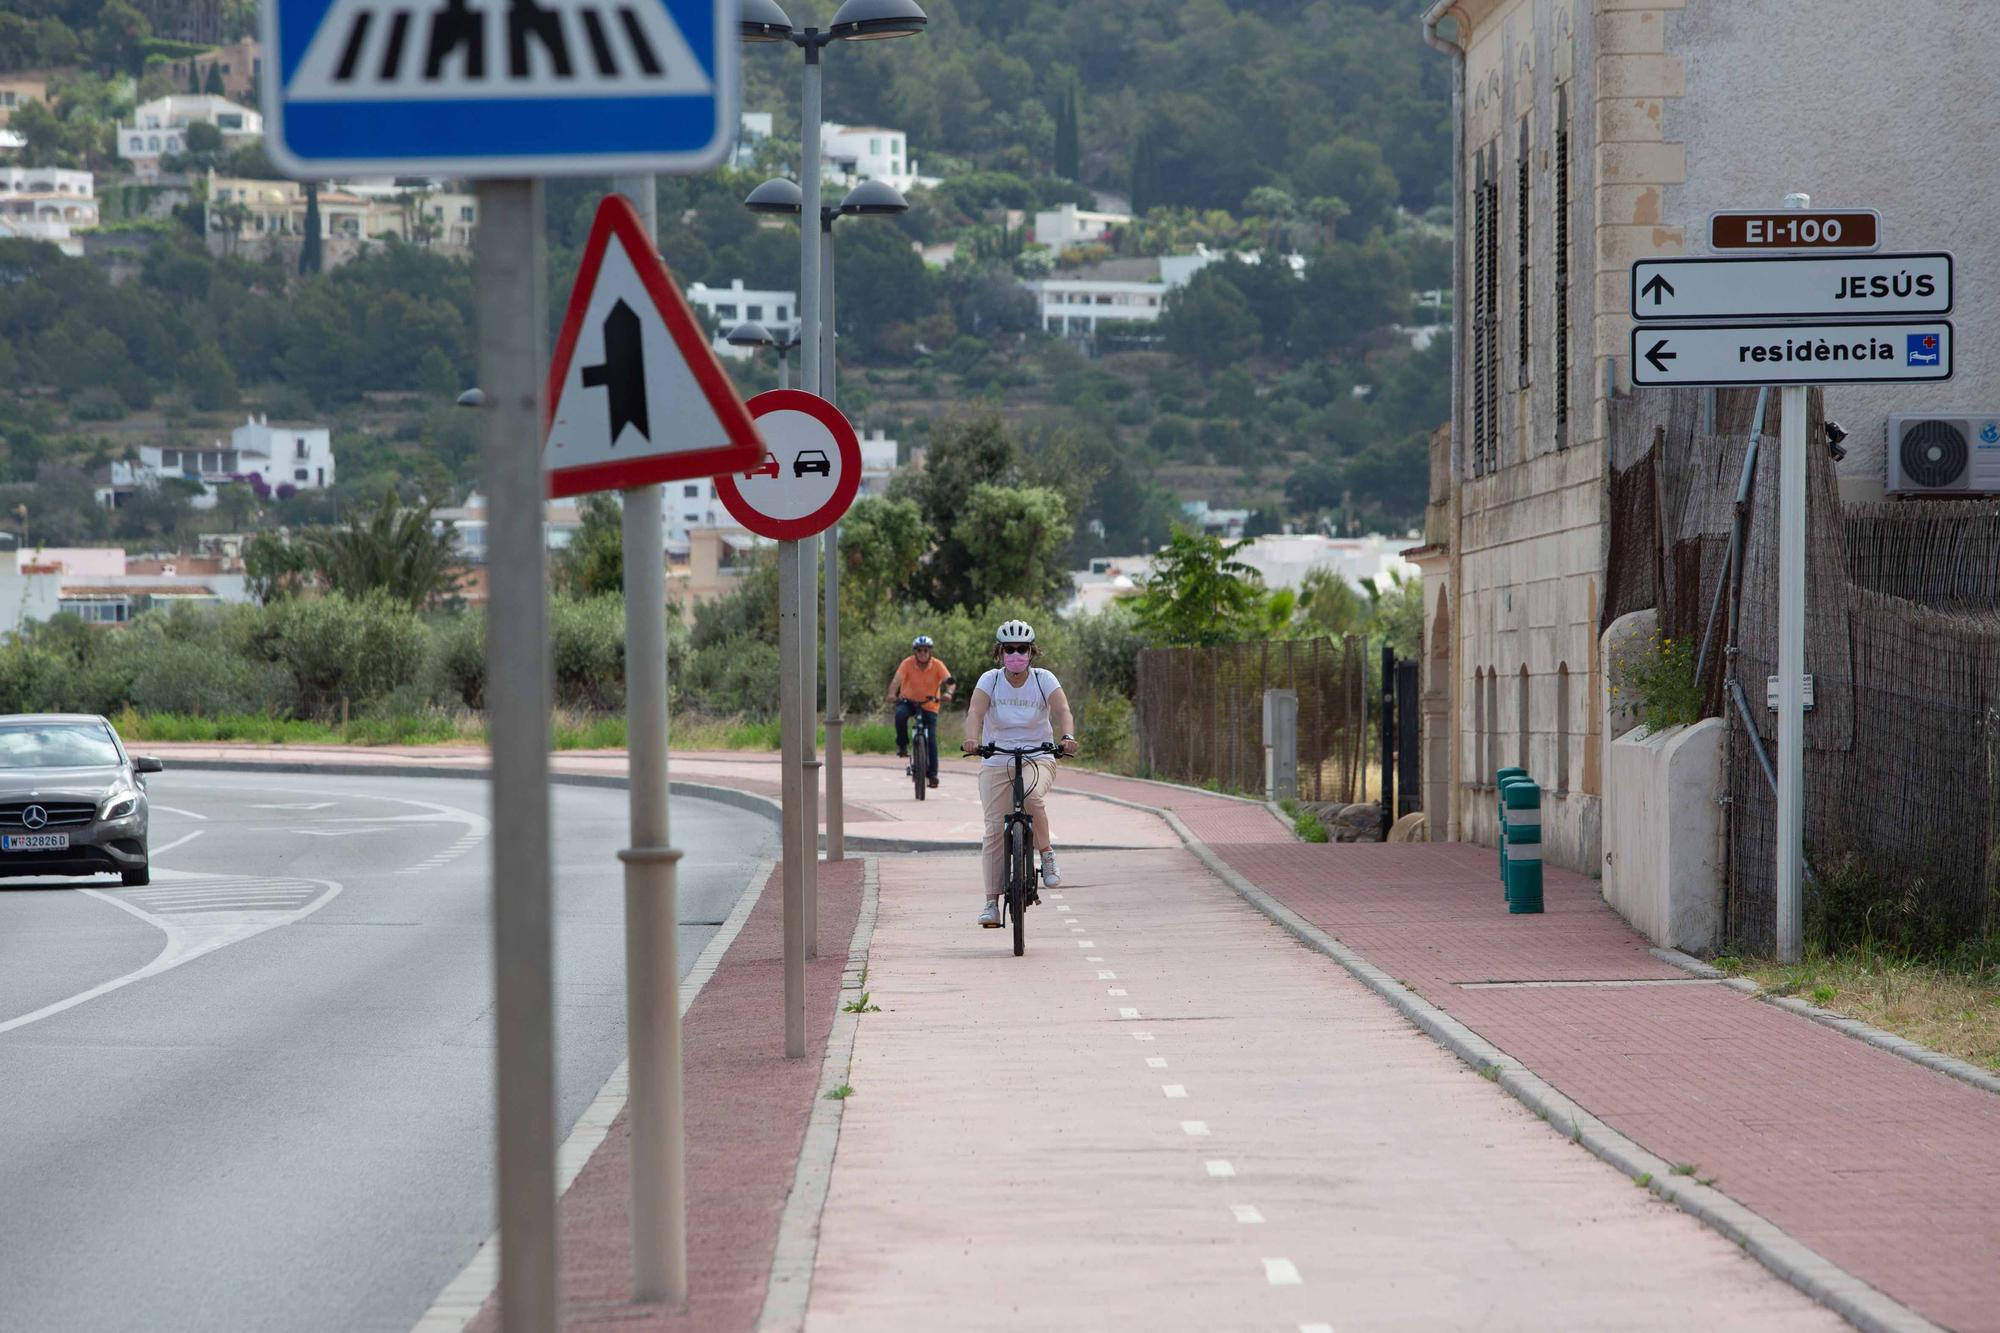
[1657,286]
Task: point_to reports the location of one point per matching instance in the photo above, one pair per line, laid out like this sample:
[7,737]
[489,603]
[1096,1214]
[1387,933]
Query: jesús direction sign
[1830,353]
[1793,287]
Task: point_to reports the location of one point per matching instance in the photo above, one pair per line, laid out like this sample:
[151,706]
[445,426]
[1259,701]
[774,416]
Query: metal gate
[1402,739]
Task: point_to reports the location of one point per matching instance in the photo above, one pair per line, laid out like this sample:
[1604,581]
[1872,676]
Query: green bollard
[1501,778]
[1524,852]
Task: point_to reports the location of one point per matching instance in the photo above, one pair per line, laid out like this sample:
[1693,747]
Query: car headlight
[118,807]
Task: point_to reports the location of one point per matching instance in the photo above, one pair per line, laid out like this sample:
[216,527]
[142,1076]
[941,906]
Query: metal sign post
[652,915]
[791,708]
[836,722]
[1791,656]
[510,267]
[801,662]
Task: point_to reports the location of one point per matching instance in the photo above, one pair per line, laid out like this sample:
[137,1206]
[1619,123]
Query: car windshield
[57,745]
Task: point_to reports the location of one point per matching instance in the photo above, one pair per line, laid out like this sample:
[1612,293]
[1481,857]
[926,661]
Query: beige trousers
[996,795]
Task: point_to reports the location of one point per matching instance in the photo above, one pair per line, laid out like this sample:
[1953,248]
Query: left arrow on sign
[622,374]
[1659,355]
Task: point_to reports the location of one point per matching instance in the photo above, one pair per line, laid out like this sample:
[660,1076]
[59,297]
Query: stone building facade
[1592,133]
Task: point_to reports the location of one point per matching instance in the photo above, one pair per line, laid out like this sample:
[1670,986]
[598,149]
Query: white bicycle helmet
[1014,631]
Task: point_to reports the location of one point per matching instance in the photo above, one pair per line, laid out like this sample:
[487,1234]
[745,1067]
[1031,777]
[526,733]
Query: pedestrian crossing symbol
[489,88]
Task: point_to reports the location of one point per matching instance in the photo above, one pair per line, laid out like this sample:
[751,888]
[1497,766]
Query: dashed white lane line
[1114,990]
[1103,975]
[1094,958]
[1315,1328]
[1282,1273]
[1174,1091]
[1195,1129]
[1086,944]
[1128,1014]
[1064,908]
[1247,1214]
[1156,1062]
[1219,1167]
[1142,1036]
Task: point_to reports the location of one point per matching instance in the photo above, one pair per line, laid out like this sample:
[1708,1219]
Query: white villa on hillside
[284,458]
[731,305]
[1060,228]
[47,204]
[856,153]
[159,127]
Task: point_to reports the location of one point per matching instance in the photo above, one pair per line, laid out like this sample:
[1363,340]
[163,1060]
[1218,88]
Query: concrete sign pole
[836,720]
[791,707]
[652,970]
[1791,656]
[510,268]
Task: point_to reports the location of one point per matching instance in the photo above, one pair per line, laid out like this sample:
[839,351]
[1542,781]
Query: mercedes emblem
[34,817]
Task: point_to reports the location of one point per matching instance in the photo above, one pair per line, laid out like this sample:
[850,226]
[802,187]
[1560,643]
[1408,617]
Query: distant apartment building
[753,129]
[159,128]
[731,305]
[716,559]
[468,523]
[856,153]
[239,65]
[1067,225]
[47,204]
[17,90]
[282,459]
[100,586]
[249,216]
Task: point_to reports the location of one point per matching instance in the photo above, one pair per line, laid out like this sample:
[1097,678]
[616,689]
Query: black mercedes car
[72,801]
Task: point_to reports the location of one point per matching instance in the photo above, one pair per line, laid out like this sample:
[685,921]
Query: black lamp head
[764,21]
[874,199]
[877,20]
[749,334]
[776,196]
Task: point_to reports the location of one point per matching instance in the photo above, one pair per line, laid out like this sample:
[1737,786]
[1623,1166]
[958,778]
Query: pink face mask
[1015,662]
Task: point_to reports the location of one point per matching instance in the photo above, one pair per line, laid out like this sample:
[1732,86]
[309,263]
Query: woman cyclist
[1016,705]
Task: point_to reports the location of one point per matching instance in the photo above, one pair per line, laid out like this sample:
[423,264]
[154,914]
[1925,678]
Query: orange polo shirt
[914,682]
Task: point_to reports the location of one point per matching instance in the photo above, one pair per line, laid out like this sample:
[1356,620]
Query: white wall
[1863,105]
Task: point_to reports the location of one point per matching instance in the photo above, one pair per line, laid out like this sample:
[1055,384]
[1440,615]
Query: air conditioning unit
[1945,454]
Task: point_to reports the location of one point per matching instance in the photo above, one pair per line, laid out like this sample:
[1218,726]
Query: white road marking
[1142,1036]
[1056,897]
[1282,1273]
[1094,958]
[334,832]
[181,841]
[1128,1013]
[1114,990]
[1218,1167]
[1315,1328]
[1246,1213]
[1175,1091]
[1064,908]
[1195,1129]
[187,939]
[1103,975]
[176,810]
[298,805]
[1086,944]
[1156,1062]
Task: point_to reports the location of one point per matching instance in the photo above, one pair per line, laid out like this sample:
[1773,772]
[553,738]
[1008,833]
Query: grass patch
[839,1094]
[861,1006]
[1308,828]
[692,732]
[1644,1180]
[430,728]
[1951,1005]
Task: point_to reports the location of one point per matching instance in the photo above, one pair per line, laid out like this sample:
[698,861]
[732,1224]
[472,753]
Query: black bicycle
[1019,874]
[920,744]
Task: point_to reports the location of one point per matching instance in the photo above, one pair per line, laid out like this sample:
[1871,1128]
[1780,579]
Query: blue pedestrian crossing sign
[491,88]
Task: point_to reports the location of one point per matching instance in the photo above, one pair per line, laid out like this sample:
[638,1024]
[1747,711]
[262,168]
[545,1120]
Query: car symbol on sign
[812,460]
[767,468]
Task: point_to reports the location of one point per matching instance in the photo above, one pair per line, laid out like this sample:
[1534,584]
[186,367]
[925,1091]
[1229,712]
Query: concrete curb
[1915,1052]
[461,1300]
[789,1289]
[1840,1291]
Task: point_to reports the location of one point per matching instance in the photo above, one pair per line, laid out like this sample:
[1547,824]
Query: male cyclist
[920,682]
[1017,704]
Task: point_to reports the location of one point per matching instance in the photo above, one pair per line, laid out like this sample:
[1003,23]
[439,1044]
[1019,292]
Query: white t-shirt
[1018,716]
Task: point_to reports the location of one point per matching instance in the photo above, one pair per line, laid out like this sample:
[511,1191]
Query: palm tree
[397,549]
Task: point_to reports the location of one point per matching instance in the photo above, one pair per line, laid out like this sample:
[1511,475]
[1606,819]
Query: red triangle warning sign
[635,394]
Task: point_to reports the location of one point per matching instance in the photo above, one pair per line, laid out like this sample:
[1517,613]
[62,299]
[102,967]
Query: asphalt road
[258,1094]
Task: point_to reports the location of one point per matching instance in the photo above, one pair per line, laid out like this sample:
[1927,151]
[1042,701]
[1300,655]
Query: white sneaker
[1051,877]
[990,918]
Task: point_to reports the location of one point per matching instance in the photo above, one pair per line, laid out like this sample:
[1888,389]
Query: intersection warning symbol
[416,50]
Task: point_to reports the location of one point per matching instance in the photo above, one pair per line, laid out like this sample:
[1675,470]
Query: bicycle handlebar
[988,751]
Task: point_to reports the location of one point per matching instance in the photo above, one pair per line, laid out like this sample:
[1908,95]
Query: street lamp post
[766,21]
[750,333]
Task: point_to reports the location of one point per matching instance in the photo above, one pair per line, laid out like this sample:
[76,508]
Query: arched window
[1479,727]
[1440,645]
[1562,726]
[1492,722]
[1522,718]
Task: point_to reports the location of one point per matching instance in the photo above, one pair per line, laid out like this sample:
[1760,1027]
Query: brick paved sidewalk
[1887,1169]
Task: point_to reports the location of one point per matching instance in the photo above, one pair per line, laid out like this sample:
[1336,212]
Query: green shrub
[587,636]
[1308,827]
[458,659]
[1660,676]
[353,648]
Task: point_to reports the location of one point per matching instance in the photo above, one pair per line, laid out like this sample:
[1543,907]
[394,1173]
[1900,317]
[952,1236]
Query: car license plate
[35,842]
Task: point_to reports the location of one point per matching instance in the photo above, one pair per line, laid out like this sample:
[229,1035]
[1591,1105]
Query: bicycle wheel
[919,758]
[1020,878]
